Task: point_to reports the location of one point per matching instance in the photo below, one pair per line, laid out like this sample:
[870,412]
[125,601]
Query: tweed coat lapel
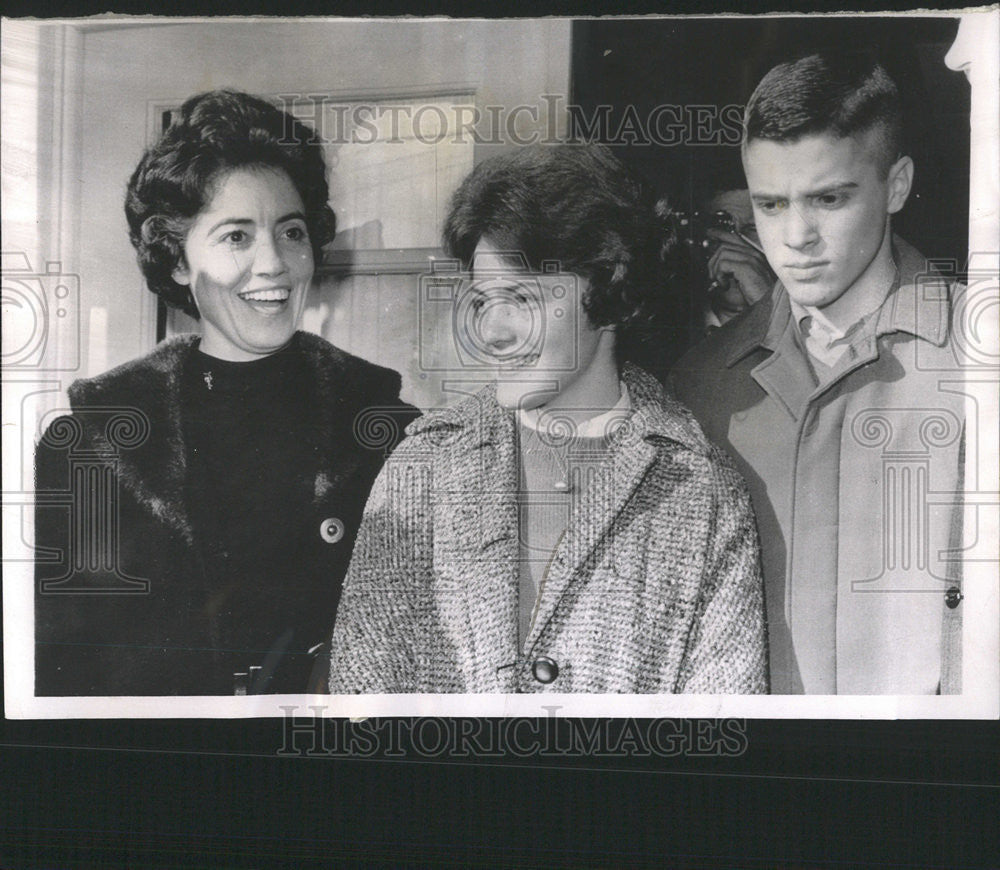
[472,451]
[475,563]
[603,493]
[605,489]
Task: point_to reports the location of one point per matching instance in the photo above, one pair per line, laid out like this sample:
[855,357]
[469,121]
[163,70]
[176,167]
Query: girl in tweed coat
[568,528]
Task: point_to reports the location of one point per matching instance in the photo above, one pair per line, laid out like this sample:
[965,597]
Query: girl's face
[534,328]
[249,262]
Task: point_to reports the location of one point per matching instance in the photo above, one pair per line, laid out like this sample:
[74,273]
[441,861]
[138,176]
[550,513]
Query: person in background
[568,528]
[203,550]
[832,394]
[737,268]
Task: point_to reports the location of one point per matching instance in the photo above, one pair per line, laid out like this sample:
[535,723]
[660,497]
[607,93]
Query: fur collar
[154,470]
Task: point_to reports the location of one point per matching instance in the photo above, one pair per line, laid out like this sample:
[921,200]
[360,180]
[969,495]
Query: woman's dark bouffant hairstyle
[577,205]
[215,133]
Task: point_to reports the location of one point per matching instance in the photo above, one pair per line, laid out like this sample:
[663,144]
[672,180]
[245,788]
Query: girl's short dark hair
[576,205]
[214,134]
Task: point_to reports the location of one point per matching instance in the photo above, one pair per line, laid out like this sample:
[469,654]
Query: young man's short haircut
[840,94]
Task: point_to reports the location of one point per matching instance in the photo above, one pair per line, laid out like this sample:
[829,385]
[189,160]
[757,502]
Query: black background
[718,62]
[214,794]
[625,71]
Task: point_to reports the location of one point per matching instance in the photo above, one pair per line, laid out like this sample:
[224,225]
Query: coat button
[952,597]
[544,669]
[331,530]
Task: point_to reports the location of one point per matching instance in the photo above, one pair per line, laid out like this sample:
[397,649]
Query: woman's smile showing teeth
[248,262]
[266,301]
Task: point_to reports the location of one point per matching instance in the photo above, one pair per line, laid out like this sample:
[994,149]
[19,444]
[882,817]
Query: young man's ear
[899,183]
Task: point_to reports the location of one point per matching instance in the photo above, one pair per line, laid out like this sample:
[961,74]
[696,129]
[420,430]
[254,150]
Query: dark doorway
[668,94]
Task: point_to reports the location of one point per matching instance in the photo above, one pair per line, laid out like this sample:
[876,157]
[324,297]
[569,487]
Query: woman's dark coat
[128,600]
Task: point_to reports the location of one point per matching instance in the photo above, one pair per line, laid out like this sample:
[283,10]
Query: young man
[568,528]
[837,396]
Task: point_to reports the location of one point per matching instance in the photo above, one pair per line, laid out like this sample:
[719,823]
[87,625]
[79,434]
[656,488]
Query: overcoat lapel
[475,520]
[603,491]
[785,375]
[473,497]
[599,496]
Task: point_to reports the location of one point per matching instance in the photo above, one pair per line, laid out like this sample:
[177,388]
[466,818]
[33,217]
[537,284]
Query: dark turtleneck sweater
[242,423]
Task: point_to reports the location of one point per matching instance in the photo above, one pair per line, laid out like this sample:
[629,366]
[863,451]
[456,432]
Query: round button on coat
[544,669]
[331,530]
[953,597]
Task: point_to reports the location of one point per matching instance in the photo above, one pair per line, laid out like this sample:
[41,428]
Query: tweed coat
[133,605]
[655,586]
[856,484]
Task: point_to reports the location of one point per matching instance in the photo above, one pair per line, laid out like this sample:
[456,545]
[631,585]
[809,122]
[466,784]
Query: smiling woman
[248,263]
[205,540]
